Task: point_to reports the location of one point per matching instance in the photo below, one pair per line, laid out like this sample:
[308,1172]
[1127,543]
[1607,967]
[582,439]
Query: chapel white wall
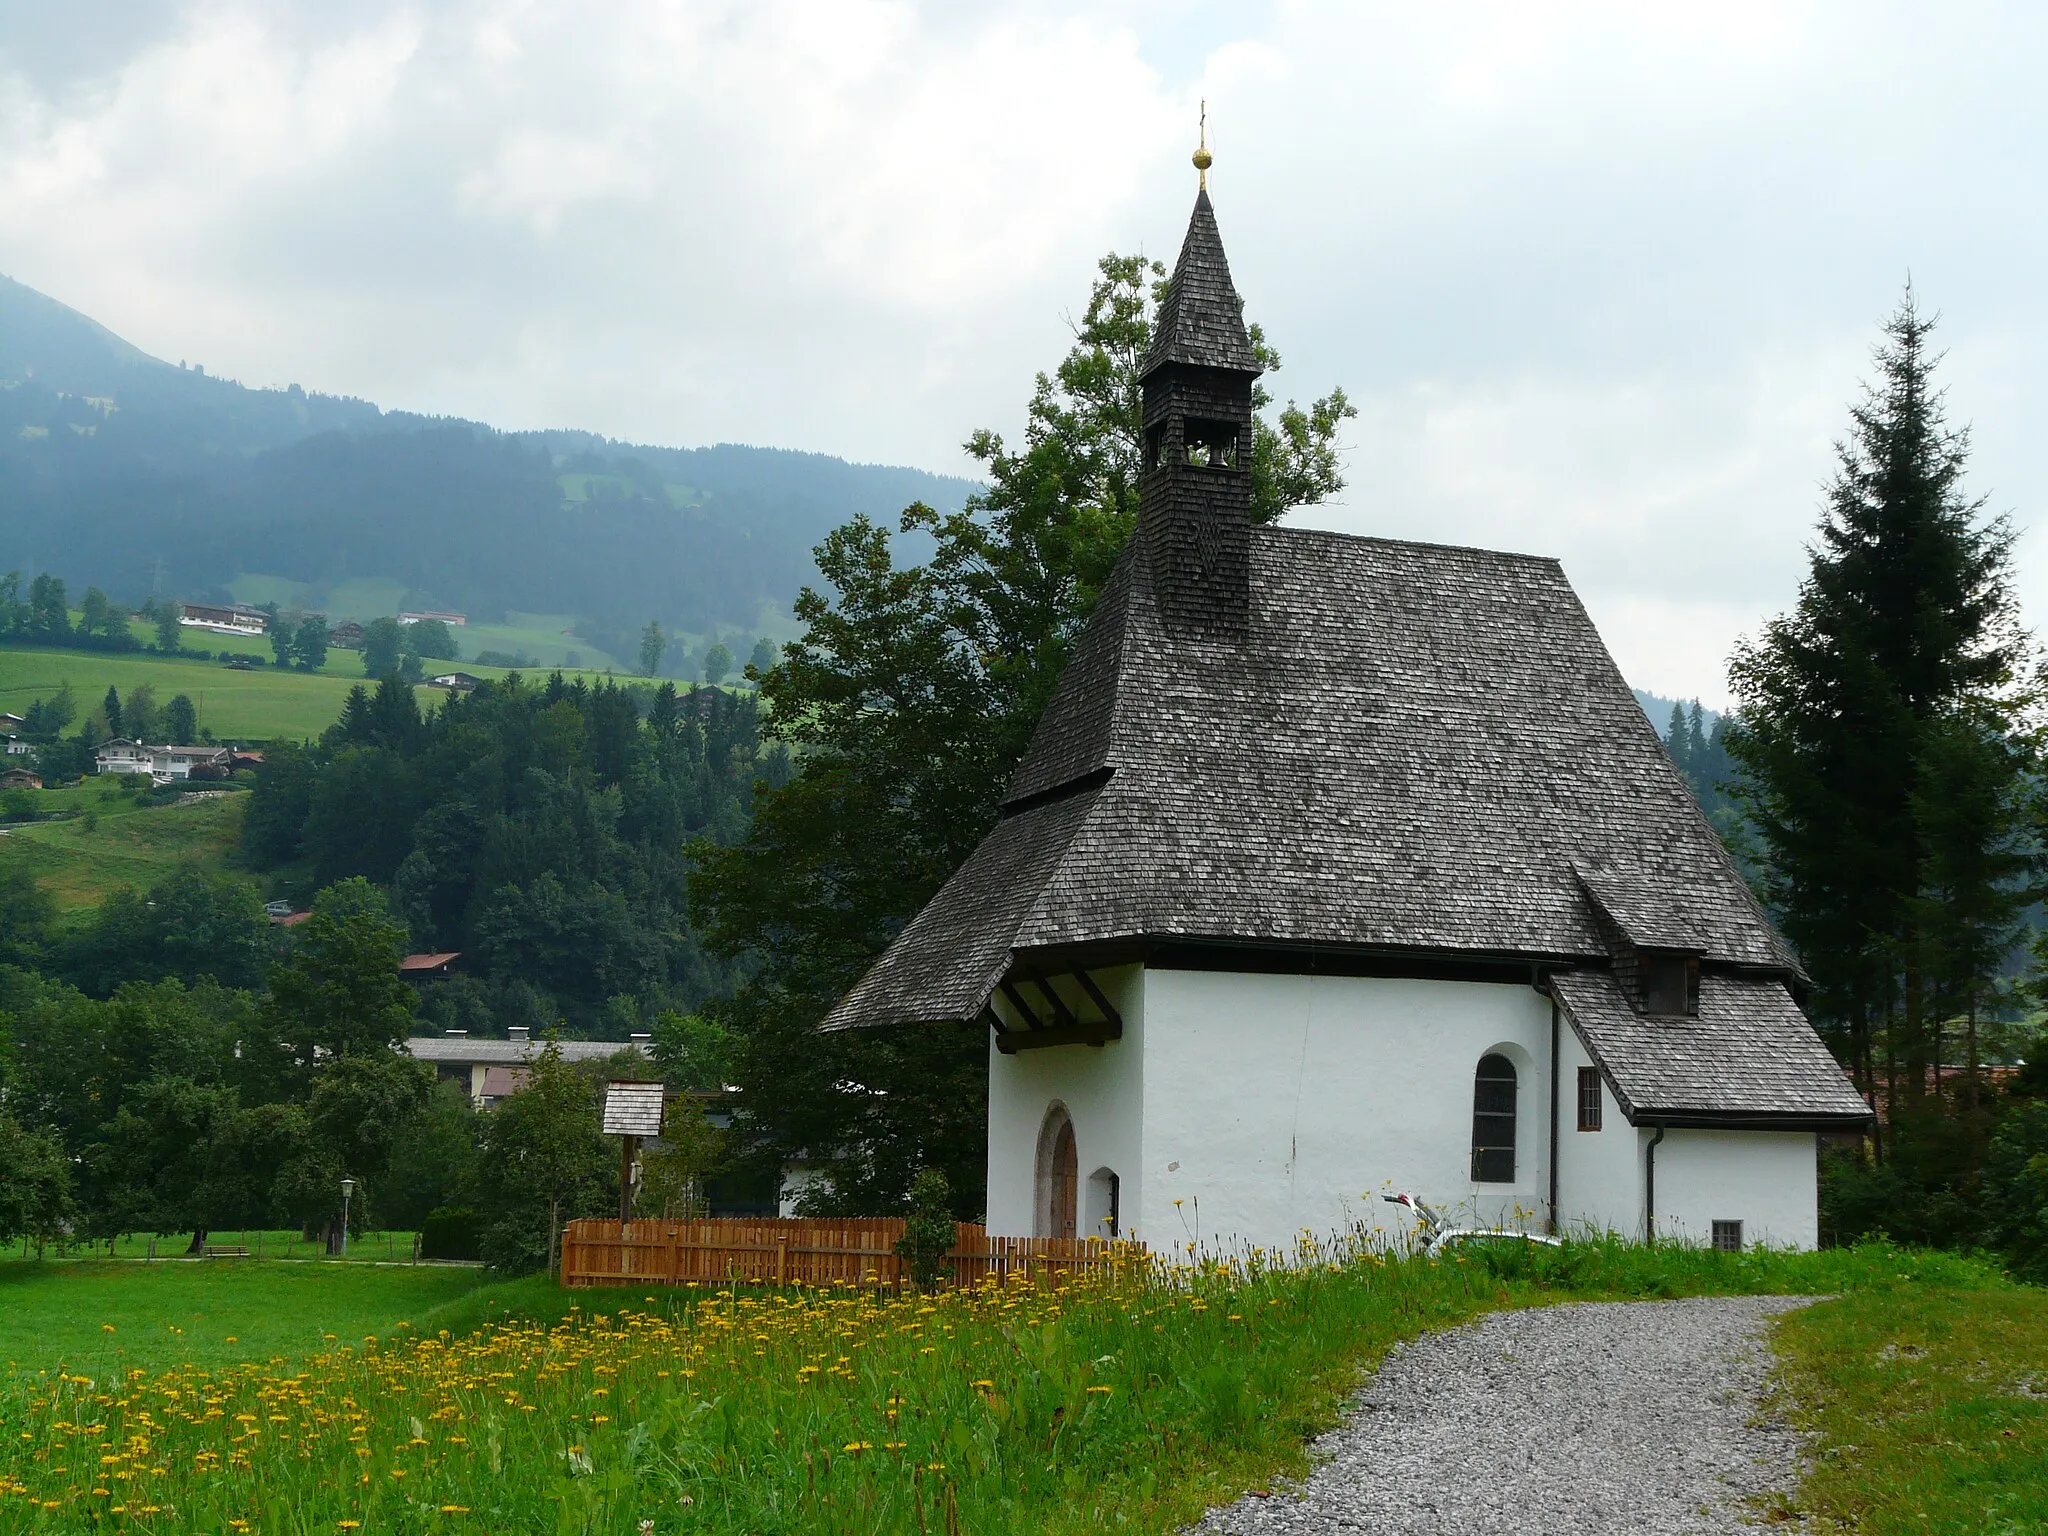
[1767,1180]
[1599,1173]
[1275,1103]
[1102,1088]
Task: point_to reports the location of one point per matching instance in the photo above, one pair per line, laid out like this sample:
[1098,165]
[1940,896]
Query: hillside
[137,475]
[119,841]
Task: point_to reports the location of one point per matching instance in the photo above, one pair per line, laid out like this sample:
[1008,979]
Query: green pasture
[261,704]
[585,487]
[119,843]
[257,705]
[99,1315]
[544,637]
[361,598]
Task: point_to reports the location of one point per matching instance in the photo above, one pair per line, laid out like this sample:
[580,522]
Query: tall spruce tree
[908,702]
[1864,712]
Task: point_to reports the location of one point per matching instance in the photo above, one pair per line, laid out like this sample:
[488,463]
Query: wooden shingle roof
[1411,749]
[1201,319]
[1749,1057]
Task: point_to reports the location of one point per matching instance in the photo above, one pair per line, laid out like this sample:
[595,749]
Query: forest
[542,829]
[178,1063]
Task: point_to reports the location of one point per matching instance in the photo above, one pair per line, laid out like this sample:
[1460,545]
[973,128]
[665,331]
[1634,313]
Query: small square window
[1589,1098]
[1670,983]
[1727,1237]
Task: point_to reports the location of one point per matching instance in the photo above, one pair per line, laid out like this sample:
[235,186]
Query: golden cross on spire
[1203,159]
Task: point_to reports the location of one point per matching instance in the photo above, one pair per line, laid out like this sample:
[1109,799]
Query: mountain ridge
[127,472]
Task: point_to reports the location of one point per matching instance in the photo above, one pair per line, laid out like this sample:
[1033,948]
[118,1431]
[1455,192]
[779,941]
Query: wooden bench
[225,1251]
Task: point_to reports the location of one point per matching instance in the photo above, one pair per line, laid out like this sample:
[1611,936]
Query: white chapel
[1340,865]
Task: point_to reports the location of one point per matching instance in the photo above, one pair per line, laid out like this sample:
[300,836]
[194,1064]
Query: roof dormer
[1656,955]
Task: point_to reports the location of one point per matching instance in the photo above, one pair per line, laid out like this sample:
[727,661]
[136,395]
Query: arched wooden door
[1066,1182]
[1056,1197]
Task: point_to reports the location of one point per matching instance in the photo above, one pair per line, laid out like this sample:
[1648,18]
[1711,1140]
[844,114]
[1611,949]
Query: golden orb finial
[1203,159]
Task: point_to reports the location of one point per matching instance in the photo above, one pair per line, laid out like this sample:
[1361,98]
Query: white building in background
[1339,866]
[223,618]
[164,764]
[491,1070]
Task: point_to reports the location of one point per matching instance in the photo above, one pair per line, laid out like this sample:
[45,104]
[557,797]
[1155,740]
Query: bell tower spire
[1194,496]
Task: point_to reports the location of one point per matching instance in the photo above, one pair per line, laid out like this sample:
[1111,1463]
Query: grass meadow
[259,704]
[119,843]
[102,1318]
[263,703]
[1132,1402]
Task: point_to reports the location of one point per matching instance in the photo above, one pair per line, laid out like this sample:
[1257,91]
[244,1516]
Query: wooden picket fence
[793,1251]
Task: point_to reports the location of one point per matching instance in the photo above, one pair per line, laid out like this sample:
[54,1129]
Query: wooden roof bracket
[1024,1009]
[1070,1030]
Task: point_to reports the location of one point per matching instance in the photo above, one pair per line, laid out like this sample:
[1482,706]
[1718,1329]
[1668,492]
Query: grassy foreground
[1929,1404]
[1025,1408]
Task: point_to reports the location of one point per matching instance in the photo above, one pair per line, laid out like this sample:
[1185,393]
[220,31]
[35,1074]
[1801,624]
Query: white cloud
[1601,275]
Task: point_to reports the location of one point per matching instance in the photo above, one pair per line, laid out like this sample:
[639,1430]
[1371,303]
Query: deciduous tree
[907,704]
[383,644]
[309,645]
[545,1161]
[35,1184]
[338,992]
[170,634]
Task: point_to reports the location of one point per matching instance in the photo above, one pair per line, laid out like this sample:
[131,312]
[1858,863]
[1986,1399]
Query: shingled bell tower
[1194,497]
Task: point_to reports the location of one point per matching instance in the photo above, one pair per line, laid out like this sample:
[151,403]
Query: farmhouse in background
[346,636]
[438,966]
[454,682]
[231,619]
[1340,865]
[453,620]
[20,778]
[164,764]
[491,1070]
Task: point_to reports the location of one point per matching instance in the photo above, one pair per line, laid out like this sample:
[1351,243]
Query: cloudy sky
[1601,277]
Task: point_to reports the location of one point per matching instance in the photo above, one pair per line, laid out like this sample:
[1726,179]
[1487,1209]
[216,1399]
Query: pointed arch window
[1493,1121]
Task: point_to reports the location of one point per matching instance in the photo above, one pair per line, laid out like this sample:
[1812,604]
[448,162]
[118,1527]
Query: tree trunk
[197,1247]
[554,1227]
[1972,1089]
[1916,1027]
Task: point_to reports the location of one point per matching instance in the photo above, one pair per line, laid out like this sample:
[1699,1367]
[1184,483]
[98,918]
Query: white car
[1438,1239]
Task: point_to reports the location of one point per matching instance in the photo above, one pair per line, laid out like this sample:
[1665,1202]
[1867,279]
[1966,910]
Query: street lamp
[348,1187]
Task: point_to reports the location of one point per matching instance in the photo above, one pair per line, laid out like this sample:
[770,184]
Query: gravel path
[1600,1419]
